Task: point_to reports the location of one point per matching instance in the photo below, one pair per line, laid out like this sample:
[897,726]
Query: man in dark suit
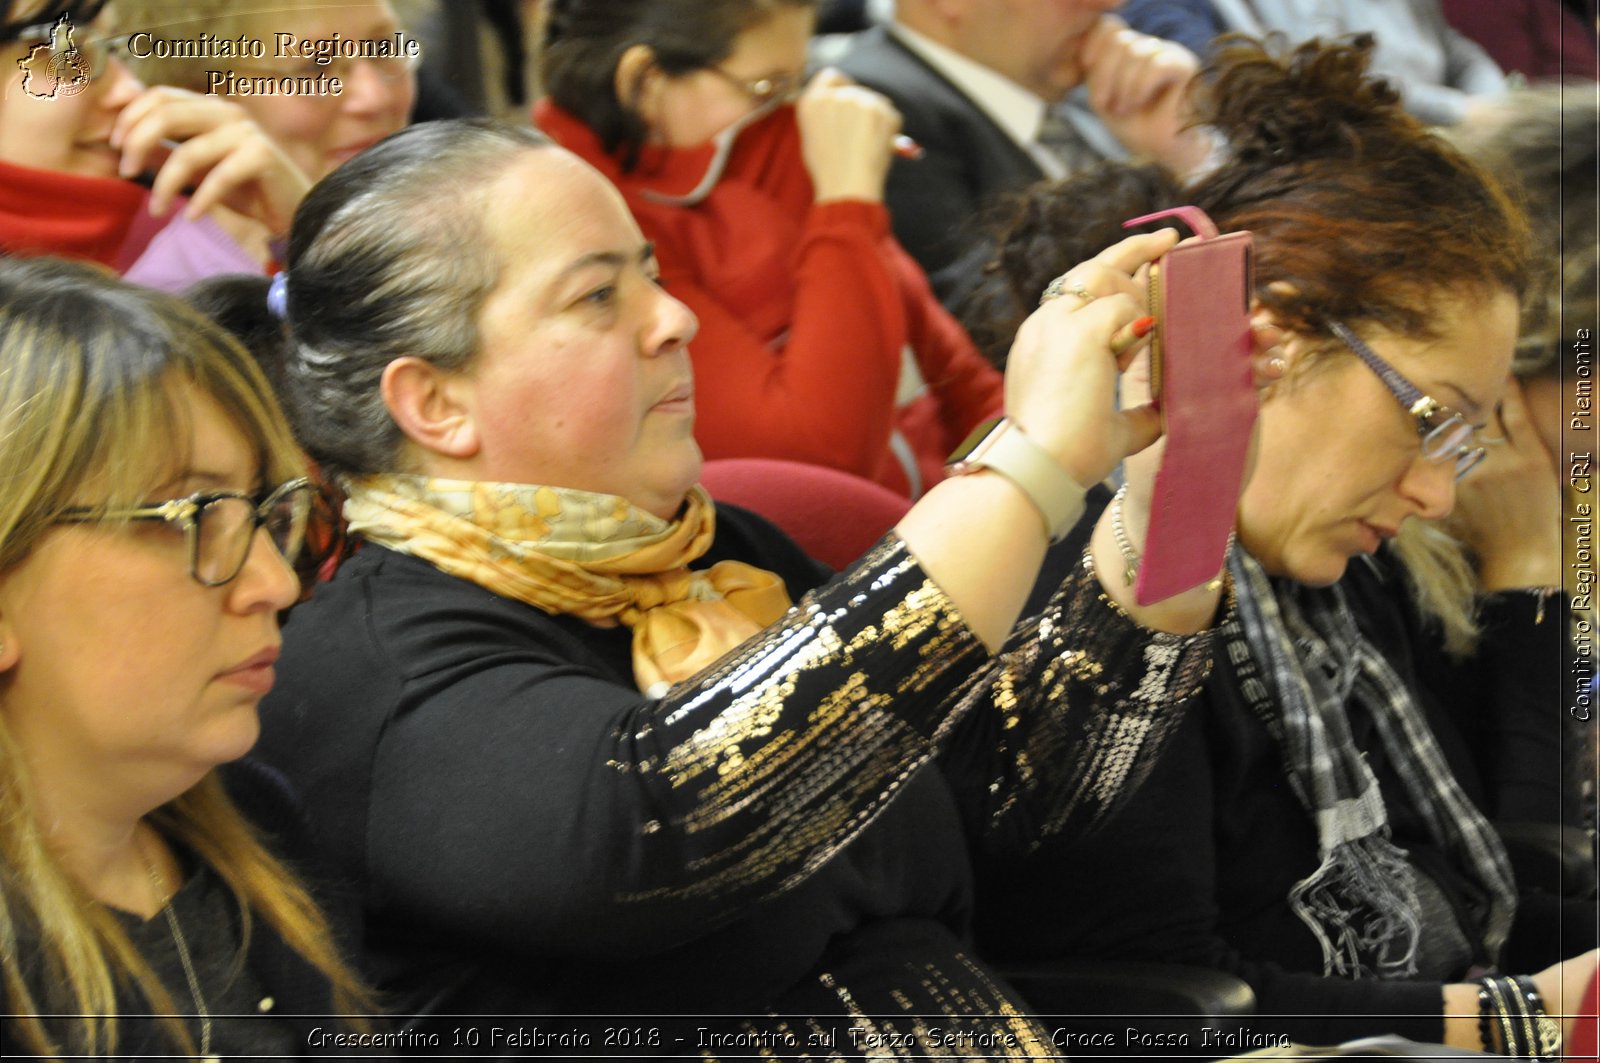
[1003,93]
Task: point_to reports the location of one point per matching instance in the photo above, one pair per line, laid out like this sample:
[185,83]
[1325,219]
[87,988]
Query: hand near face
[1508,509]
[1061,377]
[1139,87]
[847,137]
[1267,365]
[224,156]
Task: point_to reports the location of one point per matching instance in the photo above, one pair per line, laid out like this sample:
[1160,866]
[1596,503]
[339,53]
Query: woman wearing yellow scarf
[593,746]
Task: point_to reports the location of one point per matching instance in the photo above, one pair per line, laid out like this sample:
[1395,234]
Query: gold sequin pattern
[821,721]
[817,725]
[1070,718]
[940,1013]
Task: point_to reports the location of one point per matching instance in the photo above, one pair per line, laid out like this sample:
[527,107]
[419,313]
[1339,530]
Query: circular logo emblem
[71,72]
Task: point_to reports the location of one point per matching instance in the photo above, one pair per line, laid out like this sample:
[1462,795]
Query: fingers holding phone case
[1268,360]
[1061,385]
[1203,380]
[1119,269]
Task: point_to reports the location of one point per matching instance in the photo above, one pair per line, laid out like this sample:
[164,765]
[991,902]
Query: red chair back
[1583,1043]
[834,516]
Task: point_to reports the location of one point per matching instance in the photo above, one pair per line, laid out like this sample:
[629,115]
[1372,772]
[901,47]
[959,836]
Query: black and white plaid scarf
[1301,660]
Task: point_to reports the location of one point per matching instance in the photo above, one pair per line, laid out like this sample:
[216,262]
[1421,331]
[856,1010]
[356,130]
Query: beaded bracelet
[1505,1000]
[1486,1010]
[1526,1032]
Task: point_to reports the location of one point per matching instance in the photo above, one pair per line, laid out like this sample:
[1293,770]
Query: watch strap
[1001,446]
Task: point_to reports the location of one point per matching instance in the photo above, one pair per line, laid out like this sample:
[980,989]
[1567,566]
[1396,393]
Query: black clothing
[938,202]
[770,842]
[1204,855]
[275,982]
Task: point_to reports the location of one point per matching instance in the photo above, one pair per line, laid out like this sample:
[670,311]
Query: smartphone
[1203,385]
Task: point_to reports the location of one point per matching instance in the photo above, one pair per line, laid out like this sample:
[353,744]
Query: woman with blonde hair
[140,909]
[317,130]
[81,141]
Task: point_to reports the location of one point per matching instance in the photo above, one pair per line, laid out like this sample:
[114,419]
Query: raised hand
[846,136]
[1061,376]
[1139,87]
[212,146]
[1508,509]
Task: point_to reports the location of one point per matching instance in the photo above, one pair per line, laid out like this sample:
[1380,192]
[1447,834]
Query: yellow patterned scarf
[592,556]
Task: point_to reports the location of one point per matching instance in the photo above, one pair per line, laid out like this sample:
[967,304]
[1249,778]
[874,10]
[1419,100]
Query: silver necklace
[162,897]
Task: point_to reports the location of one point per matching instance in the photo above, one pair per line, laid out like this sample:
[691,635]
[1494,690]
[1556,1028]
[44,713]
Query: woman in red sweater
[76,126]
[765,205]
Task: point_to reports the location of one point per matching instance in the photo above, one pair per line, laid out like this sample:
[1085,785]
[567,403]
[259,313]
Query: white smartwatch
[1001,446]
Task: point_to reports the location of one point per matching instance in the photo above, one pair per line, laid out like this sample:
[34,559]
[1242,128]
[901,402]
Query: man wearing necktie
[1003,93]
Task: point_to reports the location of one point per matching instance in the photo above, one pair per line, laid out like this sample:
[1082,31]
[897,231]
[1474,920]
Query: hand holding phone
[1202,382]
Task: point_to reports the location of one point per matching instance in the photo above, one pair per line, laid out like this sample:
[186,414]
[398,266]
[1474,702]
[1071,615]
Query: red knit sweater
[46,212]
[804,310]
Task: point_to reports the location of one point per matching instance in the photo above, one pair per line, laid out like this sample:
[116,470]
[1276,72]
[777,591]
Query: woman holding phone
[594,745]
[1317,829]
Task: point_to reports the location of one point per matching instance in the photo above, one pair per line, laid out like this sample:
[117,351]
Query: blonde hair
[89,376]
[1540,141]
[1443,584]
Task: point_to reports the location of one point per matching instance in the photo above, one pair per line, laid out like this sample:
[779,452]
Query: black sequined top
[779,848]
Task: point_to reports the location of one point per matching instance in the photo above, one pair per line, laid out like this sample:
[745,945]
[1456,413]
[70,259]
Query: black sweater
[294,995]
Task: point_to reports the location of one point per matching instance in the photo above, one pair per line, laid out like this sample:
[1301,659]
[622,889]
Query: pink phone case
[1201,377]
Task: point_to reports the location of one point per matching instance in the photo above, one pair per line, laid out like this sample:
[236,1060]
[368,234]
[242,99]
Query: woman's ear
[1278,347]
[635,80]
[432,406]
